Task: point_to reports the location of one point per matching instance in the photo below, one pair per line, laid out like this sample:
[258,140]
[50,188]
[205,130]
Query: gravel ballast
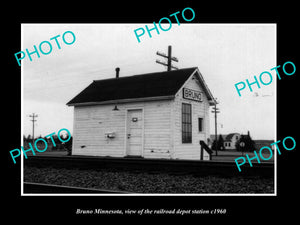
[139,182]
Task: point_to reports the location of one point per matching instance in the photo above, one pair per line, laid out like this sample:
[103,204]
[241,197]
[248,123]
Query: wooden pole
[169,57]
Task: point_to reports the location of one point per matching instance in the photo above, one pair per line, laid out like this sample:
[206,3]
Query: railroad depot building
[154,115]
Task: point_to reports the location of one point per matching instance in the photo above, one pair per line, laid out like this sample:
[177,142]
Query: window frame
[186,123]
[202,124]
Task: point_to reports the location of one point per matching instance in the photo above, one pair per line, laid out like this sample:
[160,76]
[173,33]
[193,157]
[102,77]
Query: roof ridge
[145,74]
[139,86]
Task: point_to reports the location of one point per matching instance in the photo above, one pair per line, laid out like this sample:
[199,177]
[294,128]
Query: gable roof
[230,136]
[159,84]
[226,137]
[213,136]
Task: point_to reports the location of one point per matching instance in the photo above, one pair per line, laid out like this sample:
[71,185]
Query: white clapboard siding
[157,128]
[92,122]
[199,109]
[162,128]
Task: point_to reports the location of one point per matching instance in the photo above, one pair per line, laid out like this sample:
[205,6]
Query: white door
[134,132]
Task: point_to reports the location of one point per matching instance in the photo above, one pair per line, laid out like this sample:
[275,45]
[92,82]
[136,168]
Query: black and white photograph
[160,116]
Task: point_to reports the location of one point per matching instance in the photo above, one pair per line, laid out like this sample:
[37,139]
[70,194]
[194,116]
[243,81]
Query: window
[200,124]
[186,123]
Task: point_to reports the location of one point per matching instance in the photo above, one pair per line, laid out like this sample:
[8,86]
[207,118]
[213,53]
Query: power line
[33,120]
[215,111]
[169,57]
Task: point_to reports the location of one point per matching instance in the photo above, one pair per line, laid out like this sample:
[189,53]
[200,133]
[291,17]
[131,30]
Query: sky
[224,53]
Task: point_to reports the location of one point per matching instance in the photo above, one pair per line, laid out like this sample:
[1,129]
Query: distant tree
[24,140]
[56,141]
[213,146]
[55,138]
[220,144]
[68,146]
[28,138]
[245,143]
[238,145]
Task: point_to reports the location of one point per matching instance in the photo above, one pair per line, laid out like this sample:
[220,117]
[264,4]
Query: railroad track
[38,188]
[201,168]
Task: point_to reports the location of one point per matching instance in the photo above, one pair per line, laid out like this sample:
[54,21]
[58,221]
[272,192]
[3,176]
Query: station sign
[192,95]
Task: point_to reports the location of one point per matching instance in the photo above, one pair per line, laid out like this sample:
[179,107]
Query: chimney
[117,72]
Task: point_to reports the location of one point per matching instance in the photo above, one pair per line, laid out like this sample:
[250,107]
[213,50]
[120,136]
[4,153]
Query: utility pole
[33,120]
[215,111]
[169,57]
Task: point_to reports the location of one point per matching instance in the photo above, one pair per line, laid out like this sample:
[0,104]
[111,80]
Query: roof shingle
[138,86]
